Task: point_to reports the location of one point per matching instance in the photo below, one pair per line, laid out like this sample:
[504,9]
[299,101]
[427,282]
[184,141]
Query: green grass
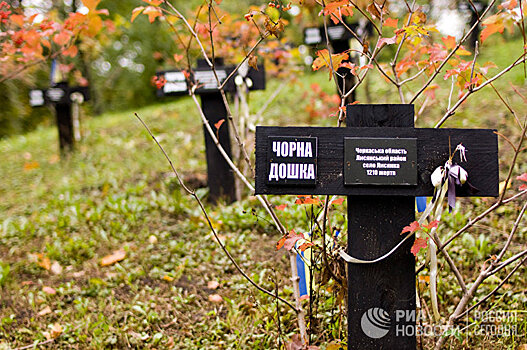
[116,192]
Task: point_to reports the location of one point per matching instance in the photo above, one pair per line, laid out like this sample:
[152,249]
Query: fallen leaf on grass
[168,278]
[213,285]
[215,298]
[45,311]
[111,259]
[56,268]
[49,290]
[41,260]
[56,330]
[31,165]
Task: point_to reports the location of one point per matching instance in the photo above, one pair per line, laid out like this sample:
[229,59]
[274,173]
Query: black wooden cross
[62,97]
[220,176]
[381,162]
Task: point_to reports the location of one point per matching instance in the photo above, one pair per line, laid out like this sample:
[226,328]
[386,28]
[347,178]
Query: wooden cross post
[381,162]
[220,176]
[62,97]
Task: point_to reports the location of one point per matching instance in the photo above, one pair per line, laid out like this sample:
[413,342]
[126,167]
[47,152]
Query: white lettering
[292,148]
[292,171]
[310,171]
[276,148]
[282,172]
[273,172]
[309,151]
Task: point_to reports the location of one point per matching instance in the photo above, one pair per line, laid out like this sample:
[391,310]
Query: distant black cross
[381,162]
[220,176]
[62,97]
[339,38]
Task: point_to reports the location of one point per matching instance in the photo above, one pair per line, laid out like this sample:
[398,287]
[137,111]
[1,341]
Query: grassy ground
[60,218]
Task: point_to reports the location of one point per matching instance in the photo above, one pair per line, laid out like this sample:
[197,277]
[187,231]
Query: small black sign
[380,161]
[292,160]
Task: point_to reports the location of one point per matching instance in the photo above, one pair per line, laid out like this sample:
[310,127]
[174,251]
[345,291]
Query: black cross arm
[177,85]
[59,94]
[432,151]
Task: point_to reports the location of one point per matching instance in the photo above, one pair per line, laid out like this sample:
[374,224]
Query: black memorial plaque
[291,160]
[380,161]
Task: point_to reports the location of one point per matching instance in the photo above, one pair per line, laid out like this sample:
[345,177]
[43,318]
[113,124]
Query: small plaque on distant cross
[292,160]
[380,161]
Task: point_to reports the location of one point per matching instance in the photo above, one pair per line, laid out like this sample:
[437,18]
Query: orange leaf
[337,9]
[136,12]
[91,4]
[177,57]
[116,256]
[449,41]
[44,262]
[152,13]
[391,22]
[304,246]
[71,51]
[61,38]
[18,20]
[31,165]
[490,29]
[291,239]
[323,60]
[154,2]
[414,226]
[280,243]
[418,245]
[219,124]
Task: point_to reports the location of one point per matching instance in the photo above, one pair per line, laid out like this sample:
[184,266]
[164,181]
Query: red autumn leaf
[337,201]
[219,124]
[391,22]
[291,239]
[431,225]
[449,41]
[281,207]
[418,245]
[413,227]
[387,41]
[522,177]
